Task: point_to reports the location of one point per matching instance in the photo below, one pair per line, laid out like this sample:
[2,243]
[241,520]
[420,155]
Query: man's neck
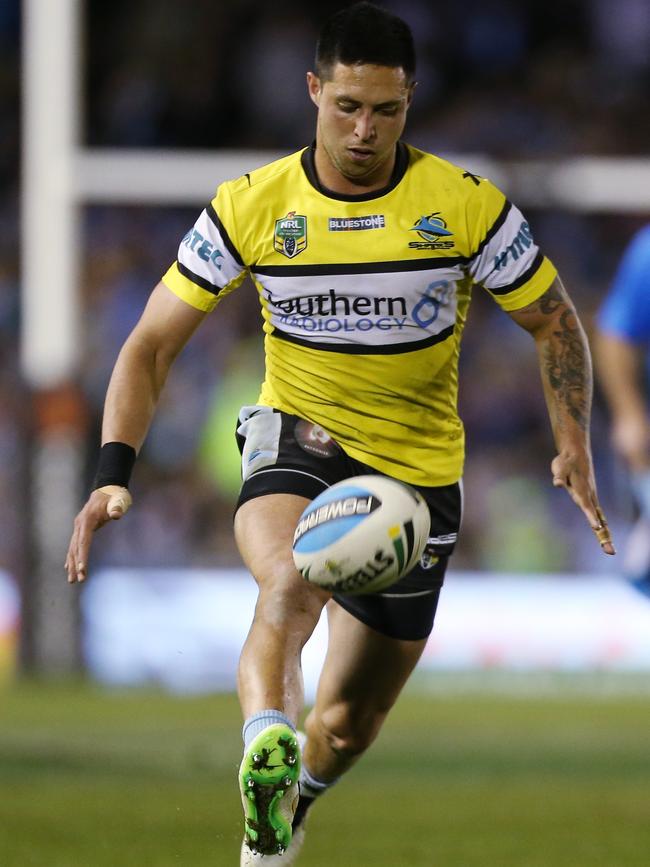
[332,179]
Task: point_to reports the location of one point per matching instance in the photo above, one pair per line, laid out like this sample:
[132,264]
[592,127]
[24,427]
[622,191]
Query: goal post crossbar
[182,177]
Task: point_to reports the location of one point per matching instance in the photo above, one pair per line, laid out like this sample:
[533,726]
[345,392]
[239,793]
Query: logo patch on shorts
[435,548]
[290,234]
[315,440]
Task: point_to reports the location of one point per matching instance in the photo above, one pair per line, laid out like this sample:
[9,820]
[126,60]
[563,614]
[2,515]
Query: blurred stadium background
[117,121]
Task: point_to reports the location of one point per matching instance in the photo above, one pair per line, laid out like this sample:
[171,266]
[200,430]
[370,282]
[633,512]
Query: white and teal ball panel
[361,535]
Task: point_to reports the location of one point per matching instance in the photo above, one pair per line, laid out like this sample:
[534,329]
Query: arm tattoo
[567,368]
[565,356]
[551,300]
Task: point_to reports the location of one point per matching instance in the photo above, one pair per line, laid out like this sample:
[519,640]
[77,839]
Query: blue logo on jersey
[437,294]
[520,243]
[431,229]
[203,248]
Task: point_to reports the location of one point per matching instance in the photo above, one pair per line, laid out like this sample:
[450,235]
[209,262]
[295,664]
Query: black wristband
[115,465]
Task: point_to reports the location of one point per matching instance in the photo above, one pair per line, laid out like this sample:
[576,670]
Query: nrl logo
[290,234]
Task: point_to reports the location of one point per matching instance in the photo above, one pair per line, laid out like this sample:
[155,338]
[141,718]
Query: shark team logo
[431,229]
[290,234]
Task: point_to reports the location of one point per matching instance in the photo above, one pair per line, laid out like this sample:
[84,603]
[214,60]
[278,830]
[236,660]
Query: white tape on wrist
[120,498]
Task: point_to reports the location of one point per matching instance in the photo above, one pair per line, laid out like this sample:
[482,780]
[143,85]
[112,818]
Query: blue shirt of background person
[623,351]
[626,310]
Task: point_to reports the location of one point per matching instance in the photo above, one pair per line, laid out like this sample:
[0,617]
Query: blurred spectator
[623,354]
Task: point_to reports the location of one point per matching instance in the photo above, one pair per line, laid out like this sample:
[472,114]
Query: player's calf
[340,735]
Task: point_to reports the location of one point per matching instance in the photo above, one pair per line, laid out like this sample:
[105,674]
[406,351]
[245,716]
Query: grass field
[92,779]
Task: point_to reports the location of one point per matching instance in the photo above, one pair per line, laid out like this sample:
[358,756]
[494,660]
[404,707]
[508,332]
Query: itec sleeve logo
[290,234]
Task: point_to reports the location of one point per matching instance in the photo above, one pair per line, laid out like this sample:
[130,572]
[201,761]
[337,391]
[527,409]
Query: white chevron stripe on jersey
[204,253]
[366,309]
[507,255]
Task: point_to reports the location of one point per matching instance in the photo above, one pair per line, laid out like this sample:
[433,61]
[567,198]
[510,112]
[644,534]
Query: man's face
[361,115]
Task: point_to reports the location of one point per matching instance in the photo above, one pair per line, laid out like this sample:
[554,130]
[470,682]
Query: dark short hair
[365,33]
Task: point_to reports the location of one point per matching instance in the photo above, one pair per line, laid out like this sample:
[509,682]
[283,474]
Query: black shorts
[284,454]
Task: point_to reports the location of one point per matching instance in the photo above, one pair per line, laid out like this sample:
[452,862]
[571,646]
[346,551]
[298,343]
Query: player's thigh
[363,673]
[264,528]
[286,462]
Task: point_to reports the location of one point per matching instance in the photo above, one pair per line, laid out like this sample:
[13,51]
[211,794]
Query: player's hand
[105,504]
[575,474]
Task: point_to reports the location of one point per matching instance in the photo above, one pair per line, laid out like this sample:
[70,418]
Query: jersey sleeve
[504,257]
[208,265]
[626,310]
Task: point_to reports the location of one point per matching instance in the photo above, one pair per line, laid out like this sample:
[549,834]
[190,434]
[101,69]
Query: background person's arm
[565,367]
[137,380]
[621,375]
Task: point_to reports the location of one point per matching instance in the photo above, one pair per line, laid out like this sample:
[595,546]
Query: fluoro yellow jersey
[364,298]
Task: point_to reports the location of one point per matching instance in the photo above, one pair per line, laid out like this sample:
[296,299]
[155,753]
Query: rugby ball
[361,535]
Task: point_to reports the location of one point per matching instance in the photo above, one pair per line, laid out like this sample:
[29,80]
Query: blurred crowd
[508,78]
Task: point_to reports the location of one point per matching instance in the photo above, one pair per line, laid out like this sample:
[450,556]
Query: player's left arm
[565,366]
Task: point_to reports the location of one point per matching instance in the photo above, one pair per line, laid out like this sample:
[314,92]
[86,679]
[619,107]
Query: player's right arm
[137,380]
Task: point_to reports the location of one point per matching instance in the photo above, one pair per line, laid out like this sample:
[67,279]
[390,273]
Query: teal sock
[262,720]
[310,786]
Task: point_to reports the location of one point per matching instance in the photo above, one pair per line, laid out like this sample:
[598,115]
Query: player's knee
[347,732]
[286,604]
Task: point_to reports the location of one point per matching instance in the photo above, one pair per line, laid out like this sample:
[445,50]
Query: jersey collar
[309,167]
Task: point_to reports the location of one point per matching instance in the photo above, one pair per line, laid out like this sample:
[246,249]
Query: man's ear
[314,87]
[411,92]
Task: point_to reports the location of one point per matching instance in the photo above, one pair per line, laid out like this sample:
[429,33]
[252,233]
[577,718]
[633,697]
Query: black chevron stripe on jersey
[426,264]
[496,225]
[196,278]
[364,349]
[523,278]
[210,211]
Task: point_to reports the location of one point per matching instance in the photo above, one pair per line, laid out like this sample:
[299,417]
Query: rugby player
[364,251]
